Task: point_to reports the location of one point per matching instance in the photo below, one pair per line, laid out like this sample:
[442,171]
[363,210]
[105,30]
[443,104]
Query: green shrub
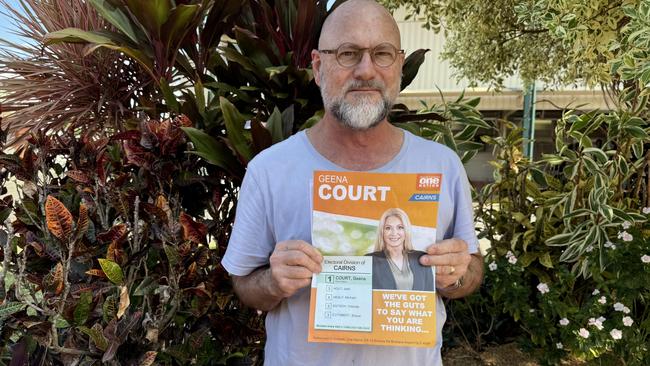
[109,256]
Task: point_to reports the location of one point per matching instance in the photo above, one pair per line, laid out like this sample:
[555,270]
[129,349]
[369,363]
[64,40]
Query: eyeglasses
[348,55]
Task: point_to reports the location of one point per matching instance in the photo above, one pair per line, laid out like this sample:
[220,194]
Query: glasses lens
[384,55]
[348,55]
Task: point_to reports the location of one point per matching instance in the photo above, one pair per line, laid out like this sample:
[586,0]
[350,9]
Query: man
[358,69]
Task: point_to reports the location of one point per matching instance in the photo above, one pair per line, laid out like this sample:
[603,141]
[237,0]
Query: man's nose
[365,69]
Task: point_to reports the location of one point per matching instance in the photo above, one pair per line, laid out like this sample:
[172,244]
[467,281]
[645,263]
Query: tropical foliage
[130,127]
[490,41]
[570,256]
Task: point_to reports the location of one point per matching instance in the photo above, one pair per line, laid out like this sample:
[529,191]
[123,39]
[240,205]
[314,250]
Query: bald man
[358,69]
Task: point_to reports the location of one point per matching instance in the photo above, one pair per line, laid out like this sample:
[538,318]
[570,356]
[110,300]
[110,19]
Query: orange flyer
[371,229]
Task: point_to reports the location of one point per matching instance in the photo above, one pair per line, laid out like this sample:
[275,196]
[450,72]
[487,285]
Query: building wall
[436,73]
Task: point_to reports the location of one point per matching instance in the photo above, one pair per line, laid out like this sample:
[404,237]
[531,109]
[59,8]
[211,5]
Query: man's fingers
[296,258]
[300,246]
[447,246]
[296,272]
[446,270]
[444,260]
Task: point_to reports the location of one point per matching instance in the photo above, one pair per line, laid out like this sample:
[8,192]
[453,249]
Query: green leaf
[538,176]
[112,270]
[172,255]
[169,96]
[597,153]
[212,150]
[545,260]
[235,129]
[200,97]
[97,335]
[177,26]
[60,322]
[135,54]
[559,239]
[82,309]
[116,17]
[636,131]
[274,125]
[145,287]
[10,308]
[526,259]
[411,66]
[152,14]
[77,35]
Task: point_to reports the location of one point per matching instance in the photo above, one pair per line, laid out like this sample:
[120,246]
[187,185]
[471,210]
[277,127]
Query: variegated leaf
[148,358]
[112,271]
[192,230]
[82,222]
[59,219]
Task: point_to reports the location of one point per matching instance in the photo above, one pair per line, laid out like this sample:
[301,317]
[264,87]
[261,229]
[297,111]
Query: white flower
[512,260]
[625,236]
[609,244]
[602,300]
[626,225]
[645,258]
[646,210]
[598,323]
[492,266]
[589,249]
[564,322]
[531,310]
[616,334]
[626,310]
[509,254]
[619,307]
[627,321]
[596,292]
[542,288]
[559,345]
[583,333]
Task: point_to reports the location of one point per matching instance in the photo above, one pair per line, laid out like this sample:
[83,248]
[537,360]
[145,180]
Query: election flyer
[371,229]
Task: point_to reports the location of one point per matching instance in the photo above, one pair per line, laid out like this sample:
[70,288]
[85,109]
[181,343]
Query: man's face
[359,96]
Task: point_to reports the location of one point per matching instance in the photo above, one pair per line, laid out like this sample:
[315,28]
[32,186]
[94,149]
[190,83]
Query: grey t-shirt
[275,205]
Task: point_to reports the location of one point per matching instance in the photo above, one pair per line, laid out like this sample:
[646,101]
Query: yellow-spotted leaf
[59,219]
[112,270]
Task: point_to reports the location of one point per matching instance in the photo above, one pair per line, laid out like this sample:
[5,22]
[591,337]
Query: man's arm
[291,267]
[453,262]
[471,280]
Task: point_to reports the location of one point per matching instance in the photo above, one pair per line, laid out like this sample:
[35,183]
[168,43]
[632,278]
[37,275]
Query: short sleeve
[464,226]
[251,241]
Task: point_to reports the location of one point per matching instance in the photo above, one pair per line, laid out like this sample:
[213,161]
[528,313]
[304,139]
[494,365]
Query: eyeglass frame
[363,50]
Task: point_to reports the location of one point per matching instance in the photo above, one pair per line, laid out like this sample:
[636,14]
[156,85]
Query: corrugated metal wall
[434,72]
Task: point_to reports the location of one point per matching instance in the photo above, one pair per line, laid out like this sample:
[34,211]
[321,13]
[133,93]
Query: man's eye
[348,53]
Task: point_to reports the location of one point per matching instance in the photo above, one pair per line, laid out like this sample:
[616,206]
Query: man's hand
[293,263]
[451,258]
[453,261]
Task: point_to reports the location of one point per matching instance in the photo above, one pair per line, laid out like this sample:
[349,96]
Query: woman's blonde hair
[400,214]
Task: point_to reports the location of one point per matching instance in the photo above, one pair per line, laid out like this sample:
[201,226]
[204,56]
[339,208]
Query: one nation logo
[428,182]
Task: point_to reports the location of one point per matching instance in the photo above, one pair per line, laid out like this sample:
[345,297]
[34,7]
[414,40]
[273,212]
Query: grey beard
[361,116]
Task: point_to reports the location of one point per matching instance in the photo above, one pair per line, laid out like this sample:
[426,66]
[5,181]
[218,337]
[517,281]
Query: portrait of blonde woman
[395,264]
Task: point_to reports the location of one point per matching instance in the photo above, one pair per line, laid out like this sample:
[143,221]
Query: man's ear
[315,65]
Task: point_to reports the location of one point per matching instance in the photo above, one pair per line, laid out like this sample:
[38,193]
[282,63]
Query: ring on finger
[452,269]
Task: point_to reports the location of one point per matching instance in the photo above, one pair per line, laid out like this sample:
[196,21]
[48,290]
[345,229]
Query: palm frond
[62,85]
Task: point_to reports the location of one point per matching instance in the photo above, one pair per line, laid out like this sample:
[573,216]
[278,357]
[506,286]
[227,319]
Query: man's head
[359,96]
